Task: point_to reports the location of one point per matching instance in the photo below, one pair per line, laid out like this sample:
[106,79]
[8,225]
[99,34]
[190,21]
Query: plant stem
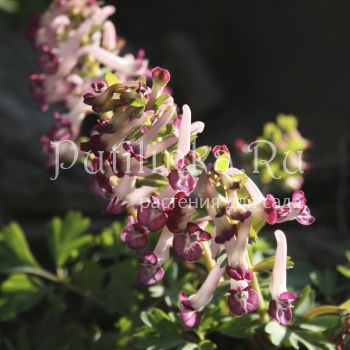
[256,287]
[208,261]
[40,272]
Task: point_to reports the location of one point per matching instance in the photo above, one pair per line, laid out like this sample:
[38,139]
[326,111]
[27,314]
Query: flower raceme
[77,45]
[140,157]
[143,141]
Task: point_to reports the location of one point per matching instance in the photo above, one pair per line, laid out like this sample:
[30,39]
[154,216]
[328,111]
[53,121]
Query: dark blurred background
[237,64]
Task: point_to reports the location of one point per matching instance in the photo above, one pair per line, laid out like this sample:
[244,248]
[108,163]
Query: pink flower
[280,307]
[151,269]
[191,307]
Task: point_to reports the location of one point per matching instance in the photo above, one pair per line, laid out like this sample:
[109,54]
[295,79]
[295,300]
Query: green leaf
[88,276]
[240,327]
[300,339]
[207,345]
[345,305]
[306,302]
[345,271]
[67,237]
[161,333]
[320,323]
[139,103]
[267,264]
[110,243]
[126,329]
[121,293]
[10,6]
[14,248]
[326,281]
[321,310]
[160,100]
[111,79]
[277,332]
[19,293]
[203,152]
[189,346]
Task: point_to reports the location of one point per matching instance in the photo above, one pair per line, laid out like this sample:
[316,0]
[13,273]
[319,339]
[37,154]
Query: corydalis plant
[280,154]
[142,145]
[77,45]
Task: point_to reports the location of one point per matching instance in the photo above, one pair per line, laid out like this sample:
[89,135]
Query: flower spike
[280,307]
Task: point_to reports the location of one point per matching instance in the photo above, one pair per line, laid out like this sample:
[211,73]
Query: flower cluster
[77,46]
[277,154]
[141,156]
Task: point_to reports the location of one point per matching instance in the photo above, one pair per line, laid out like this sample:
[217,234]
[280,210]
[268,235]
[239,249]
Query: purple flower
[160,76]
[114,207]
[151,215]
[179,213]
[191,307]
[239,273]
[188,246]
[188,315]
[149,272]
[181,180]
[60,131]
[220,150]
[280,307]
[268,209]
[225,231]
[134,235]
[296,209]
[242,300]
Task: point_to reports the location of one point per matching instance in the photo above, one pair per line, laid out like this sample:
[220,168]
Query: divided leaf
[14,249]
[67,237]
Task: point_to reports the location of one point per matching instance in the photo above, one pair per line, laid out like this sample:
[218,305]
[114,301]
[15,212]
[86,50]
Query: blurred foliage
[274,156]
[87,298]
[17,12]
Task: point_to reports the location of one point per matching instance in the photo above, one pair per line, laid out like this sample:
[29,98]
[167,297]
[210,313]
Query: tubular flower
[267,208]
[243,299]
[191,307]
[77,45]
[280,307]
[151,270]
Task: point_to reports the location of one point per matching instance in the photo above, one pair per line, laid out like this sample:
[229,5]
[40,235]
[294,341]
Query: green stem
[256,287]
[40,272]
[208,261]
